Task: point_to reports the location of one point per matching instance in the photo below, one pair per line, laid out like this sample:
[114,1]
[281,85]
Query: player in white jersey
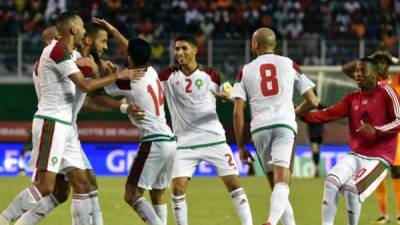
[152,167]
[52,128]
[189,90]
[267,84]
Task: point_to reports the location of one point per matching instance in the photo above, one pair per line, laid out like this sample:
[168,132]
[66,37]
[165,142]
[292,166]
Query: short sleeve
[302,82]
[239,90]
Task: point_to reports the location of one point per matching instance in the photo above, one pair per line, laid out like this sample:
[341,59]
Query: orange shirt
[394,81]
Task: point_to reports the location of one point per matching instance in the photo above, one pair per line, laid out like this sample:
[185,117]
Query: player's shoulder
[386,89]
[58,52]
[213,73]
[164,75]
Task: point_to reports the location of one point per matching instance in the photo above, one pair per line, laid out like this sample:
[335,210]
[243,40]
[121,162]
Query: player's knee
[332,182]
[178,187]
[395,172]
[231,182]
[92,180]
[81,185]
[45,189]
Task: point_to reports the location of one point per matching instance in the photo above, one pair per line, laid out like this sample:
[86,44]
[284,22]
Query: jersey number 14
[157,100]
[269,84]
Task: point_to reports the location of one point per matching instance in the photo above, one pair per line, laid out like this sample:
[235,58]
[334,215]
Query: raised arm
[348,68]
[122,41]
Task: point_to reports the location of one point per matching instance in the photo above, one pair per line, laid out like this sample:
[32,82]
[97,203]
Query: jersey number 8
[269,83]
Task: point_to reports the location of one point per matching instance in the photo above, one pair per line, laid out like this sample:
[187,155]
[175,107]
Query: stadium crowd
[292,19]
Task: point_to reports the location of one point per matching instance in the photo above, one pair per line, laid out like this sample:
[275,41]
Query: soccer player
[373,141]
[152,167]
[267,83]
[384,60]
[189,90]
[52,126]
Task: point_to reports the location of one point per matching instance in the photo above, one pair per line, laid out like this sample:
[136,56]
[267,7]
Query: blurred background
[320,35]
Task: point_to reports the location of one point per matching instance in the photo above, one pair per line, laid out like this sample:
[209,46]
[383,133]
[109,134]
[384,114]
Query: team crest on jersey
[54,160]
[198,83]
[364,102]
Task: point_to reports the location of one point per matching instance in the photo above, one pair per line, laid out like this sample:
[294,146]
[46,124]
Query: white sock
[81,209]
[278,202]
[242,206]
[146,212]
[38,211]
[97,216]
[288,216]
[22,203]
[162,212]
[353,204]
[180,210]
[329,204]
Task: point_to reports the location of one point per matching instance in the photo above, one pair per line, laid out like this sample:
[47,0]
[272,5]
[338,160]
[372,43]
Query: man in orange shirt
[385,59]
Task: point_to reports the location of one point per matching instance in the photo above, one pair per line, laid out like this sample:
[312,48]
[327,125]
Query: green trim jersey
[148,94]
[267,83]
[192,105]
[57,91]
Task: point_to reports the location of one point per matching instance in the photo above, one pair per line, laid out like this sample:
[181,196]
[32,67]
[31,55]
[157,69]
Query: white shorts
[152,166]
[55,146]
[364,173]
[275,146]
[220,156]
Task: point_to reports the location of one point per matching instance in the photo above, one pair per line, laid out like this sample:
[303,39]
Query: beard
[95,54]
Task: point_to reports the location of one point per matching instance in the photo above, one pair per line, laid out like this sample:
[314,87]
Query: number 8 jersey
[148,94]
[267,83]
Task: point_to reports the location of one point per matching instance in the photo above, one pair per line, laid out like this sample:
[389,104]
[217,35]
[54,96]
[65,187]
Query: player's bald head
[66,21]
[265,38]
[49,34]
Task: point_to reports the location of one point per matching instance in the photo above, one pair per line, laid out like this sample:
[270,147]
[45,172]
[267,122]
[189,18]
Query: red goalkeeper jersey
[380,108]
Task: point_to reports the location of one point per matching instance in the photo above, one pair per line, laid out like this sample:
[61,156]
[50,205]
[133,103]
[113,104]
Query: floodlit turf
[209,202]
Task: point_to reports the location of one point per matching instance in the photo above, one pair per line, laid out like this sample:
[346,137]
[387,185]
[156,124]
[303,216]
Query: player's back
[269,82]
[57,91]
[148,94]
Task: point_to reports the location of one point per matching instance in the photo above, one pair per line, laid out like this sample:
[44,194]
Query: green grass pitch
[209,202]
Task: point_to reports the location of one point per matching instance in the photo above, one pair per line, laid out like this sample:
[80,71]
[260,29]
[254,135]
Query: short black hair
[186,37]
[140,51]
[64,18]
[92,29]
[371,61]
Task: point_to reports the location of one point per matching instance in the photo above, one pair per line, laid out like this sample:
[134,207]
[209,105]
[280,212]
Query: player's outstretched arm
[122,41]
[94,84]
[238,124]
[311,102]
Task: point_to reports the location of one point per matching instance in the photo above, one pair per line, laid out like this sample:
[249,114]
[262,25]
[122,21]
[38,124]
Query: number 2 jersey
[192,105]
[267,83]
[148,94]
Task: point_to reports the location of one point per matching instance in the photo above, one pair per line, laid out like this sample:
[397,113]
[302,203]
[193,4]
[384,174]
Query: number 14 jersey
[147,93]
[267,83]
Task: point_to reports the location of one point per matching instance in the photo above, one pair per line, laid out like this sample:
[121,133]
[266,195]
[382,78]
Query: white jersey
[192,105]
[80,95]
[267,83]
[57,91]
[148,94]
